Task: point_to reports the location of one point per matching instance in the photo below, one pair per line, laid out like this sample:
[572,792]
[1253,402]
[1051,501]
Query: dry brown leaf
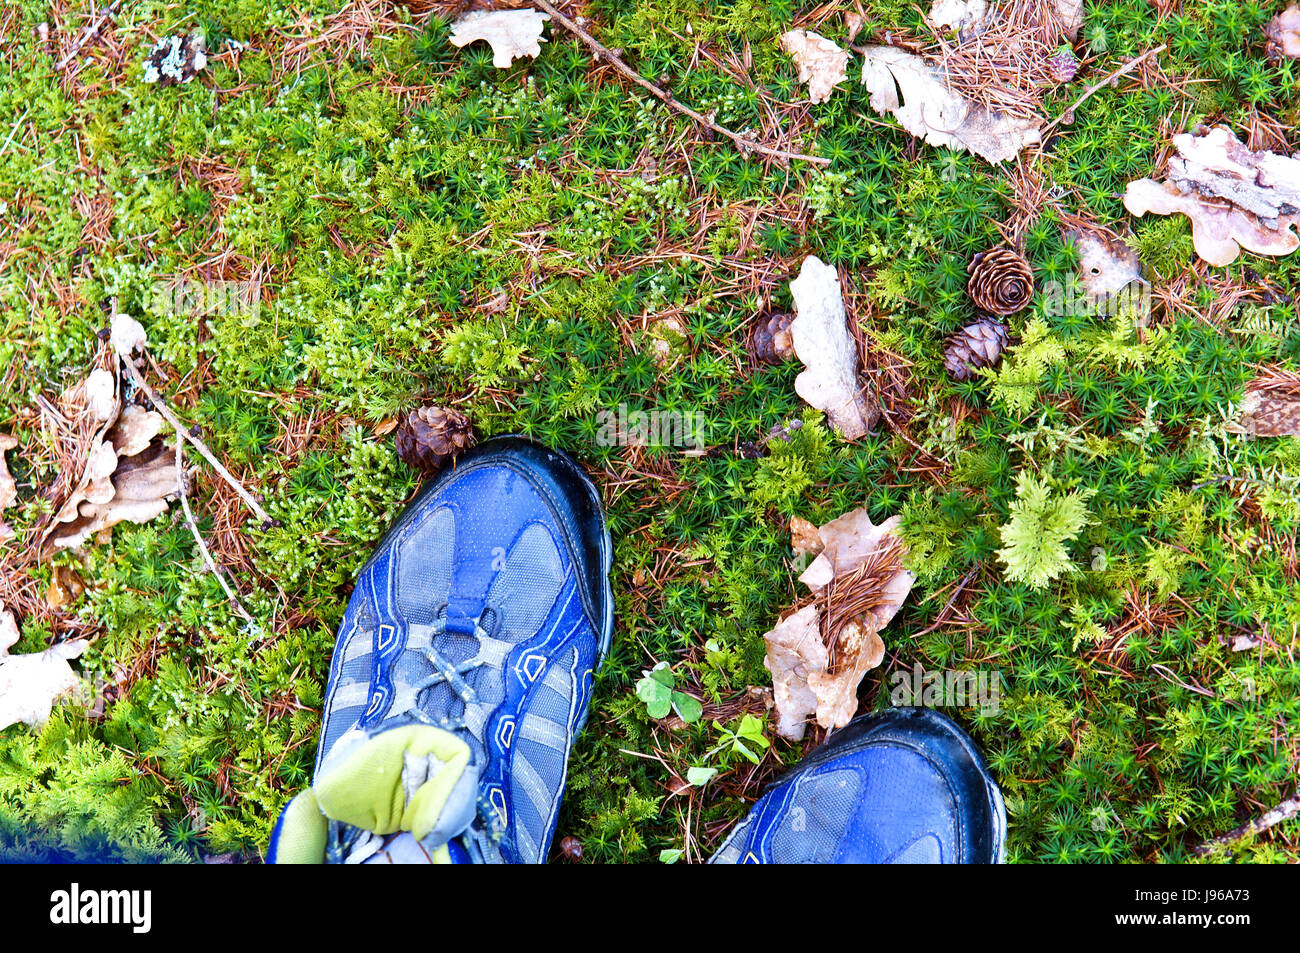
[1271,406]
[1283,32]
[29,684]
[1234,197]
[66,587]
[804,538]
[1106,266]
[99,395]
[141,488]
[134,430]
[795,652]
[905,86]
[828,351]
[512,34]
[127,334]
[837,692]
[1071,15]
[821,62]
[816,661]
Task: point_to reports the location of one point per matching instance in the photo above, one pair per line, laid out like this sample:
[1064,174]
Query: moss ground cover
[402,222]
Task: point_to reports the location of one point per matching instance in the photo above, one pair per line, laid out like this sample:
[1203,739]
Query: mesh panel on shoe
[817,817]
[526,587]
[424,560]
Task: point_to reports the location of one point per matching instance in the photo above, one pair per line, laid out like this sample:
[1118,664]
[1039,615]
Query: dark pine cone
[770,341]
[977,345]
[1001,282]
[431,437]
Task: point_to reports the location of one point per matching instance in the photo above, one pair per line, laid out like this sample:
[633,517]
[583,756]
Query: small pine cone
[1063,66]
[770,341]
[431,437]
[1001,281]
[977,345]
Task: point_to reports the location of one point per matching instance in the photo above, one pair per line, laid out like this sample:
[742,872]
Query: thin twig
[1088,94]
[87,35]
[183,433]
[198,537]
[1283,812]
[605,53]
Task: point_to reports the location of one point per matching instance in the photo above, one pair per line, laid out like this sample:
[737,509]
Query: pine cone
[431,437]
[770,341]
[977,345]
[1001,281]
[1063,65]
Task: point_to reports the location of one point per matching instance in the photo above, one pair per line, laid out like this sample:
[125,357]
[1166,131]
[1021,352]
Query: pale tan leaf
[99,394]
[820,62]
[804,539]
[29,684]
[837,693]
[134,430]
[1070,13]
[127,334]
[904,85]
[1235,198]
[795,652]
[1106,266]
[1270,406]
[828,351]
[141,486]
[512,34]
[1283,33]
[958,15]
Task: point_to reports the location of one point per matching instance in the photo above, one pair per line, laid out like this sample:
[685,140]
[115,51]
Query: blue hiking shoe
[463,670]
[905,786]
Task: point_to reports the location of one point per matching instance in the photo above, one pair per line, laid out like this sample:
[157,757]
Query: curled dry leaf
[1234,197]
[1271,406]
[795,652]
[141,488]
[821,62]
[99,395]
[127,334]
[512,34]
[1106,265]
[29,684]
[1283,33]
[828,351]
[905,86]
[127,475]
[819,654]
[804,538]
[1070,14]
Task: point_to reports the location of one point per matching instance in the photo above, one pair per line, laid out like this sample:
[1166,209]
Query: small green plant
[745,740]
[1042,523]
[657,690]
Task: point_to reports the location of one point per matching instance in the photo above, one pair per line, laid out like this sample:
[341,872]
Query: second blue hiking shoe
[903,786]
[462,670]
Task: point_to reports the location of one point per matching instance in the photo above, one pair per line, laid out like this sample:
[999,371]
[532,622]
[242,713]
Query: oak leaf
[30,683]
[905,86]
[820,62]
